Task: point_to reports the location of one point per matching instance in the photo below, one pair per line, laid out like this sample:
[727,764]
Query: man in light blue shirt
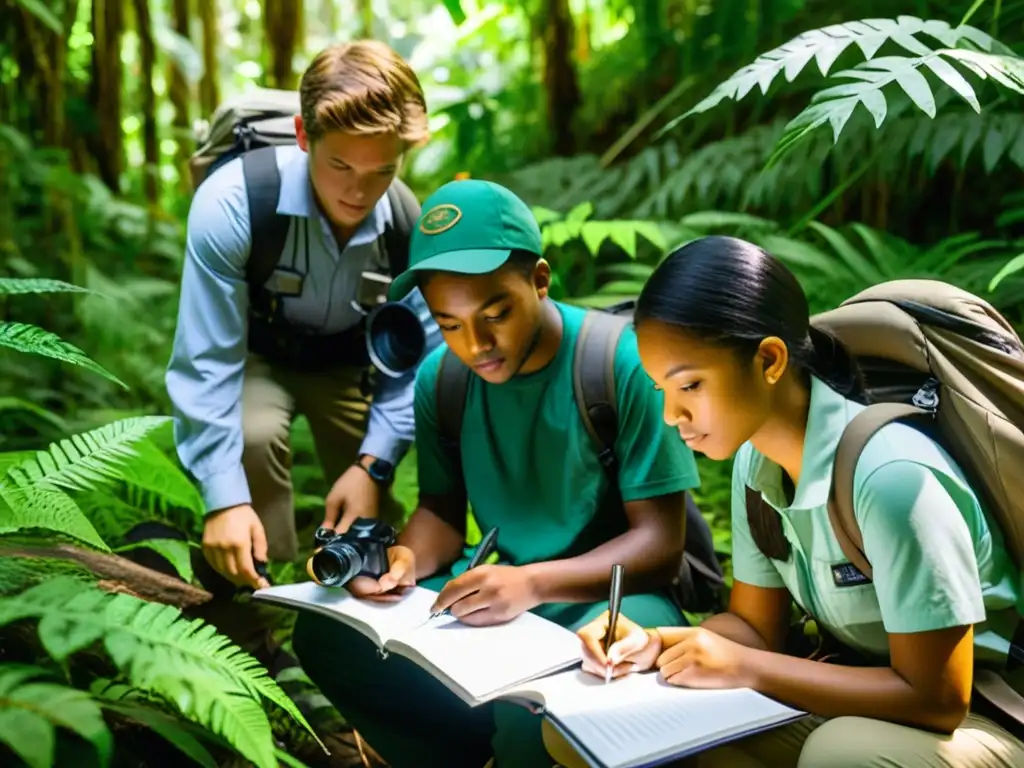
[235,380]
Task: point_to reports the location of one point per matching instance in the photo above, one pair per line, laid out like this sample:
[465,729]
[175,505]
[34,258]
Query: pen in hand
[614,605]
[487,546]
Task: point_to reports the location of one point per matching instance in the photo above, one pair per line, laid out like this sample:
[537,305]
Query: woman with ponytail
[723,329]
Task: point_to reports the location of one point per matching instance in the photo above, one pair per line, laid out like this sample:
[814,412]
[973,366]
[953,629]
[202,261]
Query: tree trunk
[209,86]
[150,140]
[366,16]
[180,94]
[282,29]
[563,93]
[107,145]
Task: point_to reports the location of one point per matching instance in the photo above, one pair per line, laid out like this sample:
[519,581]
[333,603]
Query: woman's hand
[702,659]
[633,649]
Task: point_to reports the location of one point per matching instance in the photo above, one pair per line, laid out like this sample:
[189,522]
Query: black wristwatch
[380,470]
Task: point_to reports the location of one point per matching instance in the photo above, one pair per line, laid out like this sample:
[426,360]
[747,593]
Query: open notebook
[477,663]
[640,720]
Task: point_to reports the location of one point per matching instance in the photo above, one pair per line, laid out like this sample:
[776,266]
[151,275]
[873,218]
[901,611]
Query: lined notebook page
[485,660]
[640,717]
[386,619]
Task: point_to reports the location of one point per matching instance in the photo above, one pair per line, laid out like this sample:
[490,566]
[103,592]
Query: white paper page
[387,619]
[485,660]
[641,717]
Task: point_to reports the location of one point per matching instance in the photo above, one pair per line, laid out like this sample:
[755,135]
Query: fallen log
[118,574]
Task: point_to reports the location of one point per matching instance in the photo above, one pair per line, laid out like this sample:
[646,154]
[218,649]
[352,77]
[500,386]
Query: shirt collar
[297,199]
[827,417]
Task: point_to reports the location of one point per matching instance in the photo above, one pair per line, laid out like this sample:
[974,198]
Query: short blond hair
[363,87]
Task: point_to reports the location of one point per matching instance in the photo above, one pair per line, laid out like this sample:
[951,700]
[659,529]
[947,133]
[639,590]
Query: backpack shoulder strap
[766,527]
[855,437]
[593,381]
[268,229]
[405,210]
[450,398]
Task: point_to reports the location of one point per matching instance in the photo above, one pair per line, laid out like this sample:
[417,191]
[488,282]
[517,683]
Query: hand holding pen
[487,594]
[613,645]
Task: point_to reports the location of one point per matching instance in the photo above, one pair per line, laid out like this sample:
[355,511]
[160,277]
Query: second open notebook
[477,663]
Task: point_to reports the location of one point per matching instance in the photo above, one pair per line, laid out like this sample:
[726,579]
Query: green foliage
[986,58]
[199,672]
[31,711]
[23,337]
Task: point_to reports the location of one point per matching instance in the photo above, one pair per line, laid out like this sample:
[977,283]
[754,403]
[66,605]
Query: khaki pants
[336,409]
[850,742]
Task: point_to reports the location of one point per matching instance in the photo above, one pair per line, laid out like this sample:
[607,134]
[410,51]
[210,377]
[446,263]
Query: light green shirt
[937,561]
[530,466]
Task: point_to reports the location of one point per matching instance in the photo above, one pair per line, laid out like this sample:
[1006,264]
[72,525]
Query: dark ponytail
[728,291]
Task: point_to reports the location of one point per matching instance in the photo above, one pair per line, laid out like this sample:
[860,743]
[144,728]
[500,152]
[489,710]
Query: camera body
[362,550]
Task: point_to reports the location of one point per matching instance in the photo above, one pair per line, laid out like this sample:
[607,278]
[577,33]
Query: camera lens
[336,564]
[395,339]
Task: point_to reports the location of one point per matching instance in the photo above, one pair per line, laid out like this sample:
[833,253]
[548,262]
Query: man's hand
[392,585]
[353,495]
[488,594]
[231,537]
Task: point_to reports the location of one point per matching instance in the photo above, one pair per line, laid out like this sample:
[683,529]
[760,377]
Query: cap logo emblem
[440,219]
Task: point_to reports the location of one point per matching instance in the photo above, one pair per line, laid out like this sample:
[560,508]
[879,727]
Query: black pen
[614,604]
[483,551]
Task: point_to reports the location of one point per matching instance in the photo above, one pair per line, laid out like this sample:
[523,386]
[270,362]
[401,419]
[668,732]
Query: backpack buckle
[927,397]
[606,457]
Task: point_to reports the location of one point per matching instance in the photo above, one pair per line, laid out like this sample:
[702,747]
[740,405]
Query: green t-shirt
[529,464]
[937,561]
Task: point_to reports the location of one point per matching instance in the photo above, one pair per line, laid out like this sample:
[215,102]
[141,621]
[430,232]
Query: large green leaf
[34,340]
[31,711]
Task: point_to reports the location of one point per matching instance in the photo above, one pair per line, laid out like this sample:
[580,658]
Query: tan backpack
[932,352]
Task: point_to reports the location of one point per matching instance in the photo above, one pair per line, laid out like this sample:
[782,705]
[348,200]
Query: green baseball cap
[470,227]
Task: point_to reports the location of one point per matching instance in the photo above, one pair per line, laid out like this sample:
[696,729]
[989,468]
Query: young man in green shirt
[528,466]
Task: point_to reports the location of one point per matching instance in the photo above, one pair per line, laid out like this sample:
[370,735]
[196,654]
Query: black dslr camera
[361,551]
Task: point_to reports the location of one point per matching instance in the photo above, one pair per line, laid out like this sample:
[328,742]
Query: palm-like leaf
[31,339]
[31,711]
[85,461]
[210,680]
[835,105]
[18,285]
[826,45]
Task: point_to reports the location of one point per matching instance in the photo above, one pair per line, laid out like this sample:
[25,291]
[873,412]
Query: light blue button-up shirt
[206,370]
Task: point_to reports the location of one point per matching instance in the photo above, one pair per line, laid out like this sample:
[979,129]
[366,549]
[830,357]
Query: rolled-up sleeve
[205,374]
[391,427]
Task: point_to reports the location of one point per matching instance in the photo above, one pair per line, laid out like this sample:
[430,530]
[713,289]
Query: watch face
[381,469]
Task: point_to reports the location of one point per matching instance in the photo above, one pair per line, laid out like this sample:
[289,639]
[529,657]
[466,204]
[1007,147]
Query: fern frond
[835,105]
[825,45]
[211,680]
[31,711]
[10,286]
[84,461]
[25,509]
[33,340]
